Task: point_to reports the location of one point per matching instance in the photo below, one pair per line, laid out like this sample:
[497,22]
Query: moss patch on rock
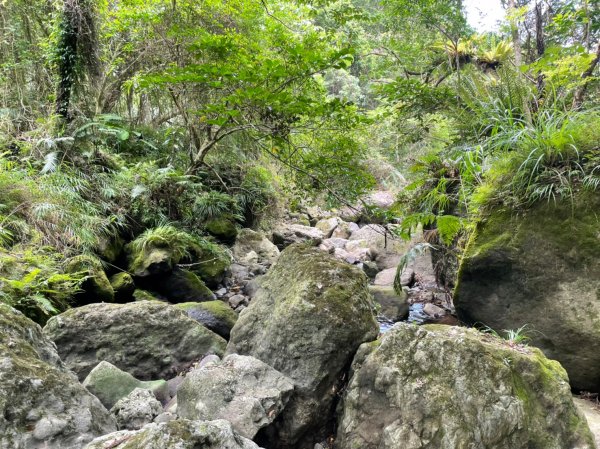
[541,269]
[97,287]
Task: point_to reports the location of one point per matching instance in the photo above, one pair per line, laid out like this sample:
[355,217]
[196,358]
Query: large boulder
[109,384]
[177,434]
[307,319]
[214,315]
[243,390]
[148,339]
[382,242]
[42,404]
[286,234]
[540,269]
[443,387]
[248,241]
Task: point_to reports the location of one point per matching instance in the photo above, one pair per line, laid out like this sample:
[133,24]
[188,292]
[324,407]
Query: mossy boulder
[223,229]
[145,295]
[307,319]
[109,384]
[123,285]
[42,404]
[148,339]
[178,434]
[211,262]
[182,286]
[540,269]
[97,287]
[214,315]
[443,387]
[150,262]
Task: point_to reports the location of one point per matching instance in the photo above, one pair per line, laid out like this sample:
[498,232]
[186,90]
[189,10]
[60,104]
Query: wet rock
[393,306]
[540,269]
[109,384]
[214,315]
[433,311]
[327,225]
[501,397]
[137,409]
[249,240]
[287,234]
[42,404]
[243,390]
[148,339]
[307,319]
[176,434]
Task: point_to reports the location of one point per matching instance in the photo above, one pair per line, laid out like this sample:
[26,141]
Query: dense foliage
[117,118]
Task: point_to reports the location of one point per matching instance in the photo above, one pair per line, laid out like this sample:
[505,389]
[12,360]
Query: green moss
[123,285]
[97,287]
[144,295]
[222,228]
[211,263]
[218,309]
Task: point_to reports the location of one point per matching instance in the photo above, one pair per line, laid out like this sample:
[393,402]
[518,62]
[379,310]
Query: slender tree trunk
[580,92]
[67,59]
[514,27]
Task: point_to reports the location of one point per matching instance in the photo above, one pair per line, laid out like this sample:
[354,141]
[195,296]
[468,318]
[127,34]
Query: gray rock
[370,268]
[540,269]
[165,417]
[329,245]
[148,339]
[385,277]
[344,230]
[433,311]
[42,404]
[383,199]
[394,307]
[309,316]
[243,390]
[176,434]
[109,384]
[286,234]
[443,387]
[248,241]
[137,409]
[327,225]
[592,415]
[236,300]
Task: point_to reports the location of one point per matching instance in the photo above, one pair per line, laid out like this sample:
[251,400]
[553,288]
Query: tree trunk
[67,59]
[514,27]
[580,92]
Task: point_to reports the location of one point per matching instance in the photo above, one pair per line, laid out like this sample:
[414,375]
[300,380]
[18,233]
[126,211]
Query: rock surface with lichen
[148,339]
[177,434]
[309,316]
[243,390]
[42,405]
[540,269]
[443,387]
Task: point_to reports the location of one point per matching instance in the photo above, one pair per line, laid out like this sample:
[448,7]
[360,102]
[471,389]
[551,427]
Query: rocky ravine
[305,366]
